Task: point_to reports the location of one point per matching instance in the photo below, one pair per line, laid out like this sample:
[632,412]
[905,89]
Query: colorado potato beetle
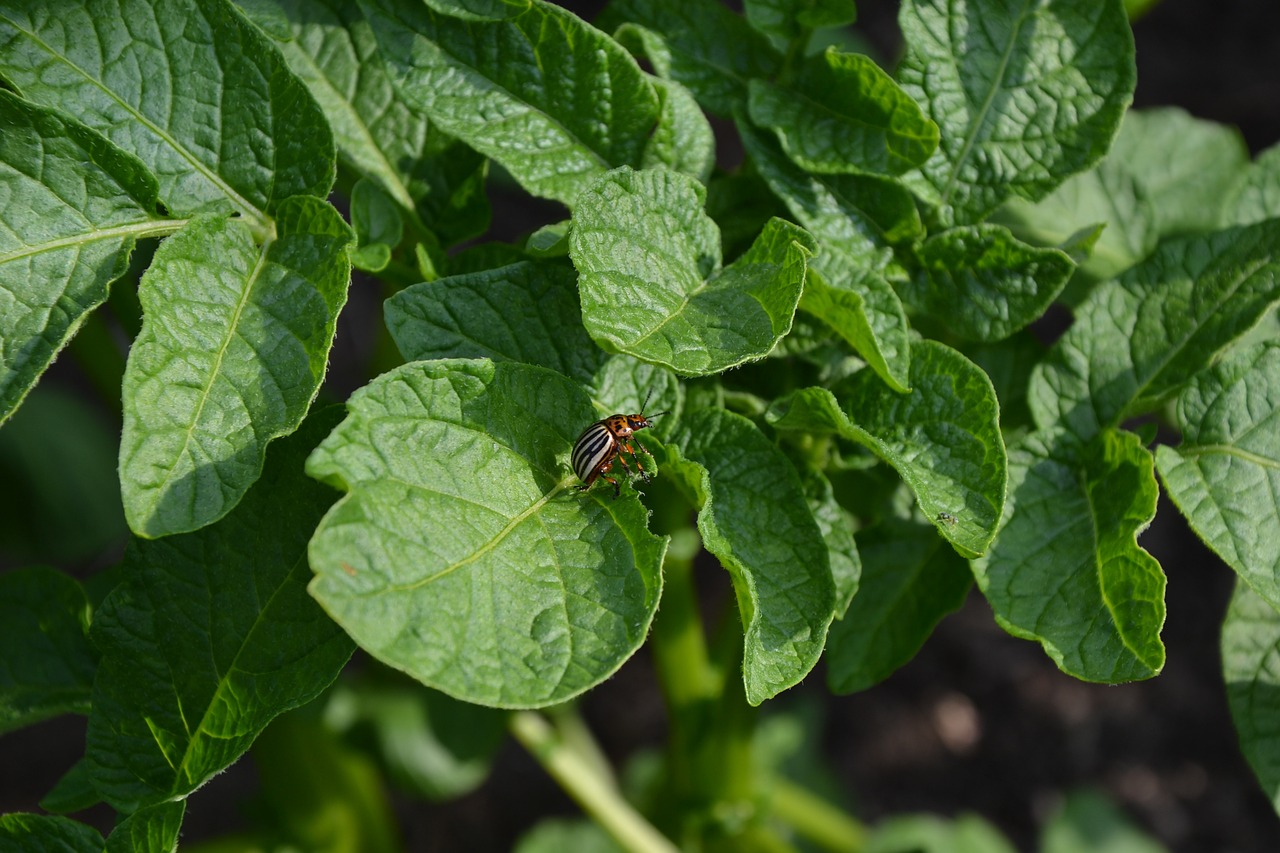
[607,440]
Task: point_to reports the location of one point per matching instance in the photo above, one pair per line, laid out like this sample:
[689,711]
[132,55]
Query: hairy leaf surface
[233,348]
[462,554]
[1251,670]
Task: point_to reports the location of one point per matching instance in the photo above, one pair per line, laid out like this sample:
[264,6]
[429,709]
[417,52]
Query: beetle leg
[627,447]
[616,489]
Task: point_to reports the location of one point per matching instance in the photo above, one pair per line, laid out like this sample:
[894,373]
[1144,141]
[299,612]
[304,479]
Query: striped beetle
[606,440]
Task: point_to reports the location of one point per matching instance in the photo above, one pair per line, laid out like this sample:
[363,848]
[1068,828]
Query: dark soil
[978,721]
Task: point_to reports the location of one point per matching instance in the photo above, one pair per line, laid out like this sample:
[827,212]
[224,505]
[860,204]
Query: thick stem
[578,776]
[816,819]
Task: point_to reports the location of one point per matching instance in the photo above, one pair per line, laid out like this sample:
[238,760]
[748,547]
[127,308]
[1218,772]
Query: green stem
[577,736]
[816,819]
[578,776]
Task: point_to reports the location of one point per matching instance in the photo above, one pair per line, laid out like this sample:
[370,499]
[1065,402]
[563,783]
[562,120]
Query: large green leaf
[683,140]
[849,291]
[526,312]
[1066,568]
[552,99]
[983,283]
[211,635]
[1138,339]
[699,43]
[462,553]
[910,580]
[46,662]
[71,207]
[1025,93]
[943,437]
[233,348]
[1225,476]
[1166,174]
[153,829]
[1257,195]
[648,260]
[189,86]
[1251,670]
[754,518]
[840,112]
[379,133]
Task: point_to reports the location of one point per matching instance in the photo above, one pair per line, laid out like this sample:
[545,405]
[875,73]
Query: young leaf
[37,833]
[755,520]
[525,312]
[73,205]
[1250,663]
[648,260]
[557,104]
[848,291]
[379,134]
[462,554]
[248,137]
[1137,339]
[233,349]
[841,112]
[46,662]
[1225,476]
[1025,93]
[1066,568]
[943,438]
[153,829]
[785,20]
[983,283]
[910,580]
[699,43]
[211,636]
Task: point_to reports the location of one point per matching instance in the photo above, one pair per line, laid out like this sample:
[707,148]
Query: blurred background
[977,722]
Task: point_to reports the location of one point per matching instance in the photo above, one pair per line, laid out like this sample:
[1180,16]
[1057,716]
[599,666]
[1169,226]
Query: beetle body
[605,442]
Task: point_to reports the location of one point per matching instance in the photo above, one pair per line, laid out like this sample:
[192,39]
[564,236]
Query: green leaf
[379,133]
[234,345]
[46,662]
[323,794]
[211,635]
[431,745]
[61,500]
[648,261]
[73,204]
[1009,364]
[1250,668]
[754,518]
[683,140]
[74,792]
[35,833]
[699,43]
[841,112]
[462,554]
[1025,93]
[525,312]
[983,283]
[1257,196]
[846,287]
[1089,822]
[1225,475]
[251,138]
[1066,568]
[837,526]
[789,19]
[153,829]
[968,833]
[943,438]
[1138,339]
[1166,174]
[553,100]
[910,580]
[556,835]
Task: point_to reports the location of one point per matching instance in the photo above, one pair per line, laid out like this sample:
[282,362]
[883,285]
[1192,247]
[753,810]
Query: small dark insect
[947,518]
[607,440]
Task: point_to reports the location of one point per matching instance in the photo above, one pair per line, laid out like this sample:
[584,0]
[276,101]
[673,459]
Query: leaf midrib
[197,165]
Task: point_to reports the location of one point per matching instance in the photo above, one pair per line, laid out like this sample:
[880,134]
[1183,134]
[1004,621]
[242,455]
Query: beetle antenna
[656,415]
[645,404]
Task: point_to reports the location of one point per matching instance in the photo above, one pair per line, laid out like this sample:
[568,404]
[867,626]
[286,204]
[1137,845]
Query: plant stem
[578,776]
[814,818]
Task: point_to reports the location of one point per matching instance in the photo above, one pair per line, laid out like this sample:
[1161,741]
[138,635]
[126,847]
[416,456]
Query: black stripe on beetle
[606,441]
